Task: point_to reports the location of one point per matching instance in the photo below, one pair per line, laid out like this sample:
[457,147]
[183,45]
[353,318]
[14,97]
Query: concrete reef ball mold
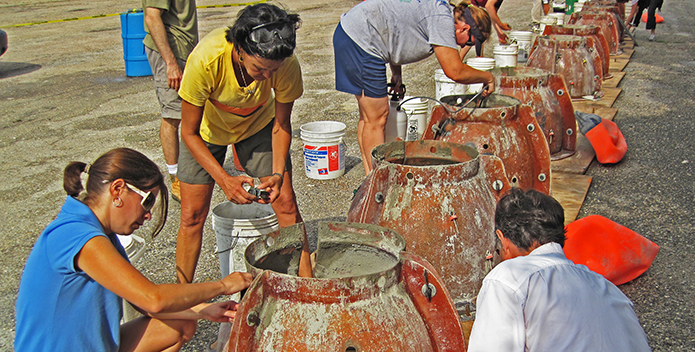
[440,197]
[498,125]
[569,56]
[367,295]
[546,93]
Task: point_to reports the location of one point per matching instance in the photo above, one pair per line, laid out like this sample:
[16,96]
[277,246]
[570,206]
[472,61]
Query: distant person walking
[78,274]
[172,32]
[651,6]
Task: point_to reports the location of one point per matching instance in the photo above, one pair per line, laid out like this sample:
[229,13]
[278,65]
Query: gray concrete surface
[64,96]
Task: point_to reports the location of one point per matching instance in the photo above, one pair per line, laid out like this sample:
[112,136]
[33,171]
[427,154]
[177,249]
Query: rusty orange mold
[441,198]
[569,57]
[606,21]
[499,125]
[552,107]
[367,295]
[596,42]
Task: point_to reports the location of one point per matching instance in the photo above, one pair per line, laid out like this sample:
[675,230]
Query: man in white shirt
[538,300]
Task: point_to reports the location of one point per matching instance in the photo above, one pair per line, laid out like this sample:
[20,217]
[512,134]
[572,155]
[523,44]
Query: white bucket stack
[506,55]
[523,39]
[445,86]
[416,110]
[324,149]
[559,17]
[482,64]
[236,226]
[547,21]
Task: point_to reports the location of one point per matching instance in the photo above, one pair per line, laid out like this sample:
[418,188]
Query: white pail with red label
[324,149]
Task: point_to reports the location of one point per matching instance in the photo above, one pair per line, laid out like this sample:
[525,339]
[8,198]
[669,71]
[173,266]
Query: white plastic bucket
[547,21]
[324,149]
[506,55]
[416,111]
[479,63]
[445,86]
[559,17]
[523,39]
[236,226]
[396,123]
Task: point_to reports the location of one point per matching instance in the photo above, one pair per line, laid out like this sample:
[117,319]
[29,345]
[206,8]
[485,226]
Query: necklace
[243,78]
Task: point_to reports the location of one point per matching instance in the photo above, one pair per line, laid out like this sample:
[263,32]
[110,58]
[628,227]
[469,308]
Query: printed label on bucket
[323,160]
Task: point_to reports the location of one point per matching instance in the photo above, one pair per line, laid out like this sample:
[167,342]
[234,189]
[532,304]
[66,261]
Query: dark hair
[123,163]
[529,217]
[251,16]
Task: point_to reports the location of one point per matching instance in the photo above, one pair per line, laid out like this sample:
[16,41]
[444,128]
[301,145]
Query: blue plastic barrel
[133,32]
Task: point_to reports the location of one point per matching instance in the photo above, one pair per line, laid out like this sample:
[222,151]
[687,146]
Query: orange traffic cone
[604,135]
[658,18]
[608,248]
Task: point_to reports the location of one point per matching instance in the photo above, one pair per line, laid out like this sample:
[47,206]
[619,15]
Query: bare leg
[373,115]
[169,137]
[148,334]
[195,204]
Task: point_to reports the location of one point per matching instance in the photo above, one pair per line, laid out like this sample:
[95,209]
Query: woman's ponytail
[72,181]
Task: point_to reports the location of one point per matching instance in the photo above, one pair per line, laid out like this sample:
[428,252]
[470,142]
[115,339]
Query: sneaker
[175,188]
[652,37]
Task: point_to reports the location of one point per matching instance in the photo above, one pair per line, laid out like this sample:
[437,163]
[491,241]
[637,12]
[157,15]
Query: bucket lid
[506,49]
[414,103]
[548,20]
[521,34]
[481,63]
[481,60]
[323,126]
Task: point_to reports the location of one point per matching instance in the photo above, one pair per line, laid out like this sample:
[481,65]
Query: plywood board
[609,97]
[579,162]
[570,190]
[603,111]
[626,55]
[628,43]
[613,81]
[617,63]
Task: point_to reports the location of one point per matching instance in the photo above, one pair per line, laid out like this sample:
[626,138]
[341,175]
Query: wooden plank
[628,43]
[609,97]
[617,63]
[627,53]
[613,81]
[579,162]
[605,112]
[570,190]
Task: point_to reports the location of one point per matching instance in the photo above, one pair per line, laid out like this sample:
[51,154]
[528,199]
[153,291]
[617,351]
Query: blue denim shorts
[357,71]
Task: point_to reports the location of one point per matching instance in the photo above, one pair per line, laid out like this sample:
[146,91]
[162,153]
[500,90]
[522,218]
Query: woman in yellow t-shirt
[239,87]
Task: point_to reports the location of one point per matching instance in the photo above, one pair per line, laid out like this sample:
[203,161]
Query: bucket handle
[235,239]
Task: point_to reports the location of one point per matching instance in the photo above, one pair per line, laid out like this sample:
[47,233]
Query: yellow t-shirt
[231,113]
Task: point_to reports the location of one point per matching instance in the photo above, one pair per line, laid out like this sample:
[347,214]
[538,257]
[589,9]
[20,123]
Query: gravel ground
[64,96]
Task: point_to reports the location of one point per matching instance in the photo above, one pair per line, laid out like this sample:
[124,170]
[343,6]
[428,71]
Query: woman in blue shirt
[70,296]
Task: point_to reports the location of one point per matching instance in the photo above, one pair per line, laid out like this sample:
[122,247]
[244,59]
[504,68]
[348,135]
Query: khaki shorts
[255,155]
[169,100]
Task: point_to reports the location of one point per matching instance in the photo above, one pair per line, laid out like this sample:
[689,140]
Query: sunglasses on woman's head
[264,33]
[148,198]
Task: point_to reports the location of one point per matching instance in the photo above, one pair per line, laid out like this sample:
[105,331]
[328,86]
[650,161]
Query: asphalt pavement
[64,96]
